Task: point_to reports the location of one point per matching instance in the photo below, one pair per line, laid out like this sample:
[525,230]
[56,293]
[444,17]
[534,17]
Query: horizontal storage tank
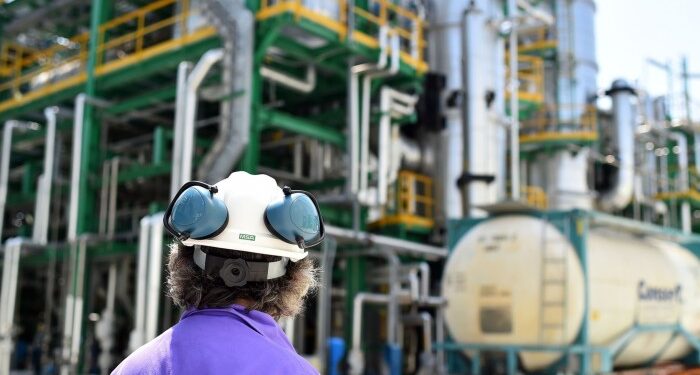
[518,280]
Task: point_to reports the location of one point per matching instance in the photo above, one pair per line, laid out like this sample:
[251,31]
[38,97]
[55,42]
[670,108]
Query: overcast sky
[630,31]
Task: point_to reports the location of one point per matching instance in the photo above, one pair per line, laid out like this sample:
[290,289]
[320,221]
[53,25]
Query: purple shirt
[218,341]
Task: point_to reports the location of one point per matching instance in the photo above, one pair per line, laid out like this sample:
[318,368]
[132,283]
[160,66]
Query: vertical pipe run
[154,276]
[138,334]
[194,80]
[183,70]
[79,114]
[43,200]
[514,124]
[5,167]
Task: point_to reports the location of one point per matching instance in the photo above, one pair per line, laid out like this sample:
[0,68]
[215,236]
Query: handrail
[28,71]
[406,24]
[530,77]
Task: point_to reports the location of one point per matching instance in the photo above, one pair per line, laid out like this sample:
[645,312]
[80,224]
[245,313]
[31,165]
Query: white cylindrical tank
[518,280]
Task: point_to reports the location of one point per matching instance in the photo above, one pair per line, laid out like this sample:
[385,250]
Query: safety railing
[562,122]
[530,78]
[535,197]
[410,203]
[122,40]
[532,40]
[333,15]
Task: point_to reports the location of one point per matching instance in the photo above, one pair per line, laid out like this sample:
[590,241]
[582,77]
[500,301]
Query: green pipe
[158,146]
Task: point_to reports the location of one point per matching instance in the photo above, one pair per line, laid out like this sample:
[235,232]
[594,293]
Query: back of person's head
[242,241]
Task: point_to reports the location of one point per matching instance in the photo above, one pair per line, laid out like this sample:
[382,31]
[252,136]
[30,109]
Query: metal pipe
[236,25]
[5,167]
[43,202]
[621,193]
[542,16]
[154,276]
[324,301]
[112,211]
[304,86]
[514,110]
[682,179]
[138,334]
[8,299]
[355,143]
[366,110]
[465,112]
[194,80]
[399,246]
[78,117]
[390,102]
[183,70]
[425,320]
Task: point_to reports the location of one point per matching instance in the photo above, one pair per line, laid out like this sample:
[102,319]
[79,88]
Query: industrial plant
[488,207]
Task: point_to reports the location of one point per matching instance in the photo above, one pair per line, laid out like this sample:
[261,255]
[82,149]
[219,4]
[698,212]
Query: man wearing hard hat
[238,265]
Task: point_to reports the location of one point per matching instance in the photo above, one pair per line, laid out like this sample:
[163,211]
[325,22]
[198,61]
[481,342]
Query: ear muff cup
[198,213]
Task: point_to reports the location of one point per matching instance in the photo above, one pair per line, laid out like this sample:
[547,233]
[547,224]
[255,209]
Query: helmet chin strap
[237,271]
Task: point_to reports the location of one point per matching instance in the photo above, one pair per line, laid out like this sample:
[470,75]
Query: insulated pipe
[154,276]
[356,359]
[324,300]
[399,246]
[183,70]
[78,119]
[535,13]
[304,86]
[366,110]
[682,180]
[621,193]
[8,299]
[236,25]
[138,334]
[43,202]
[425,320]
[355,143]
[514,110]
[390,102]
[465,112]
[10,125]
[112,211]
[696,151]
[194,80]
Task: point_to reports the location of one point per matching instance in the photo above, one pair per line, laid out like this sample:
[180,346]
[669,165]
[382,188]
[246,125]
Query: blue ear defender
[195,212]
[295,218]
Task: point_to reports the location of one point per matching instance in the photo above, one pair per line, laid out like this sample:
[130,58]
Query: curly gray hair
[189,287]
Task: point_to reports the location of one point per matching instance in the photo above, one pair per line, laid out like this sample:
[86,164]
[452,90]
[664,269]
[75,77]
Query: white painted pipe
[5,167]
[182,71]
[696,150]
[78,117]
[304,86]
[535,13]
[154,276]
[43,199]
[514,120]
[366,111]
[8,299]
[138,334]
[682,179]
[194,80]
[623,115]
[355,143]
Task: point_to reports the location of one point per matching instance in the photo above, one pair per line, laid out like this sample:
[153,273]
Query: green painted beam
[144,100]
[283,121]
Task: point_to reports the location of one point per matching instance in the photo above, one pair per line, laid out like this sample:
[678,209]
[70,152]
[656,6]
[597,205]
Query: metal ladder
[554,279]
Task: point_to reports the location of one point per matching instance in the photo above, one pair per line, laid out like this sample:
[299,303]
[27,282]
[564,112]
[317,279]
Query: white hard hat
[246,212]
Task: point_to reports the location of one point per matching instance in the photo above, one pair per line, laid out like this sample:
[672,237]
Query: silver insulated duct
[484,64]
[620,194]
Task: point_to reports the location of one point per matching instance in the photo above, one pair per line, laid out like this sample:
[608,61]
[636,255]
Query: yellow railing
[563,122]
[530,78]
[333,15]
[533,39]
[123,40]
[410,202]
[535,197]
